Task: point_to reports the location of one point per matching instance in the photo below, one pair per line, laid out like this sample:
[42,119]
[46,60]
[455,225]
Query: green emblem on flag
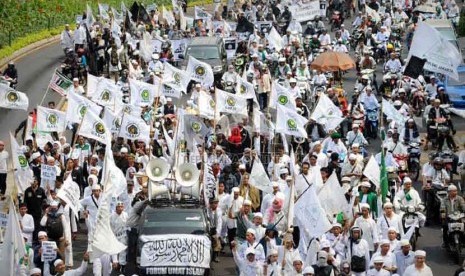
[200,70]
[52,119]
[105,95]
[145,95]
[99,128]
[12,96]
[177,78]
[212,103]
[133,130]
[22,161]
[196,127]
[242,89]
[82,110]
[231,101]
[291,123]
[282,99]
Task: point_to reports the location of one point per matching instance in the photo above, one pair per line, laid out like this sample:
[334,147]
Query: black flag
[414,67]
[134,11]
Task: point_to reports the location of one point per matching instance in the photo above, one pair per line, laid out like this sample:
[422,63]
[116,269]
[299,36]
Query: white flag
[23,173]
[392,113]
[200,71]
[145,47]
[372,171]
[168,16]
[134,128]
[206,105]
[112,120]
[289,122]
[327,113]
[142,93]
[245,89]
[175,78]
[310,216]
[103,91]
[281,96]
[230,103]
[77,107]
[12,99]
[201,14]
[440,54]
[103,11]
[50,120]
[94,127]
[332,196]
[275,40]
[259,179]
[13,248]
[89,17]
[70,193]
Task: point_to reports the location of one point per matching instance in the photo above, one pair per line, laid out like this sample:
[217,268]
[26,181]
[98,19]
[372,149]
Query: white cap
[124,150]
[337,224]
[378,259]
[42,233]
[247,202]
[407,180]
[355,145]
[75,79]
[274,184]
[96,186]
[387,204]
[35,155]
[324,244]
[392,229]
[35,270]
[283,170]
[452,187]
[249,250]
[273,252]
[365,184]
[420,253]
[258,215]
[404,242]
[155,56]
[352,156]
[397,102]
[364,205]
[345,179]
[235,190]
[57,262]
[308,270]
[385,241]
[241,167]
[355,125]
[169,99]
[251,231]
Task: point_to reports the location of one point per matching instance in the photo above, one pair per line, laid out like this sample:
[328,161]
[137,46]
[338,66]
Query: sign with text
[305,10]
[48,173]
[48,251]
[181,251]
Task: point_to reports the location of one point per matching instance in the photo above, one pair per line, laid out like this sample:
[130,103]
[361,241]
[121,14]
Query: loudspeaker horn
[157,169]
[187,174]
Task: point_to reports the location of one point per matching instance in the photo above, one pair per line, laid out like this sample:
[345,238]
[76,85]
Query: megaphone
[157,169]
[157,190]
[187,174]
[193,191]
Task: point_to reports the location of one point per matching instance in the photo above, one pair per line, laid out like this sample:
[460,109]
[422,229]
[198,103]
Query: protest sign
[70,194]
[305,10]
[264,26]
[179,47]
[230,44]
[48,173]
[181,251]
[3,220]
[49,253]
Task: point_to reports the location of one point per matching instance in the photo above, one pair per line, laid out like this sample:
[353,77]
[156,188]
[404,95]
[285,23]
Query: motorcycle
[448,159]
[413,161]
[304,88]
[8,81]
[393,182]
[455,235]
[410,219]
[371,123]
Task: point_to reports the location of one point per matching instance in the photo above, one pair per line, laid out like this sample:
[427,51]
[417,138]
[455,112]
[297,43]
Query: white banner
[206,105]
[281,96]
[23,172]
[180,250]
[332,196]
[50,120]
[70,193]
[392,113]
[134,128]
[289,122]
[245,89]
[372,171]
[230,103]
[201,14]
[441,55]
[156,46]
[275,40]
[94,127]
[175,78]
[142,93]
[179,47]
[200,71]
[103,91]
[12,99]
[305,10]
[259,179]
[327,113]
[77,108]
[112,120]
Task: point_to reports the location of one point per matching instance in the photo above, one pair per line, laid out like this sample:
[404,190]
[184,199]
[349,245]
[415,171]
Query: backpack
[54,228]
[114,58]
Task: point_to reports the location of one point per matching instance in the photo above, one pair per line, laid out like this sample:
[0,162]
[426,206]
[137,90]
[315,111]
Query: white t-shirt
[4,161]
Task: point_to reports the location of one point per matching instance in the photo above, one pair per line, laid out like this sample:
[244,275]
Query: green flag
[383,178]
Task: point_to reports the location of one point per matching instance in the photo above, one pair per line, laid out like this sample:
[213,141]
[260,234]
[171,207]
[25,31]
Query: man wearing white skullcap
[355,136]
[419,268]
[378,267]
[408,196]
[233,205]
[90,205]
[273,267]
[352,169]
[369,228]
[251,242]
[60,267]
[385,254]
[118,221]
[404,257]
[389,219]
[248,265]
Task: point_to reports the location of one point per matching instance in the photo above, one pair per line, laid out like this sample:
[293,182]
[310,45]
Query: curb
[28,49]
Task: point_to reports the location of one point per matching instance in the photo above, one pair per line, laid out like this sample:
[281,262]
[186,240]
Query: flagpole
[48,88]
[76,135]
[14,190]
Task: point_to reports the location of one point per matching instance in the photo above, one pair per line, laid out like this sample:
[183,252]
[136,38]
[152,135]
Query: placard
[264,26]
[48,173]
[230,45]
[180,251]
[49,253]
[305,10]
[179,47]
[3,220]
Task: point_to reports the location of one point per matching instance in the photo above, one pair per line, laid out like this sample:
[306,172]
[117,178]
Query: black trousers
[2,183]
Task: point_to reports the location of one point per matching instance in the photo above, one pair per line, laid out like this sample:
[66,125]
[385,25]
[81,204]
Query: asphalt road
[35,71]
